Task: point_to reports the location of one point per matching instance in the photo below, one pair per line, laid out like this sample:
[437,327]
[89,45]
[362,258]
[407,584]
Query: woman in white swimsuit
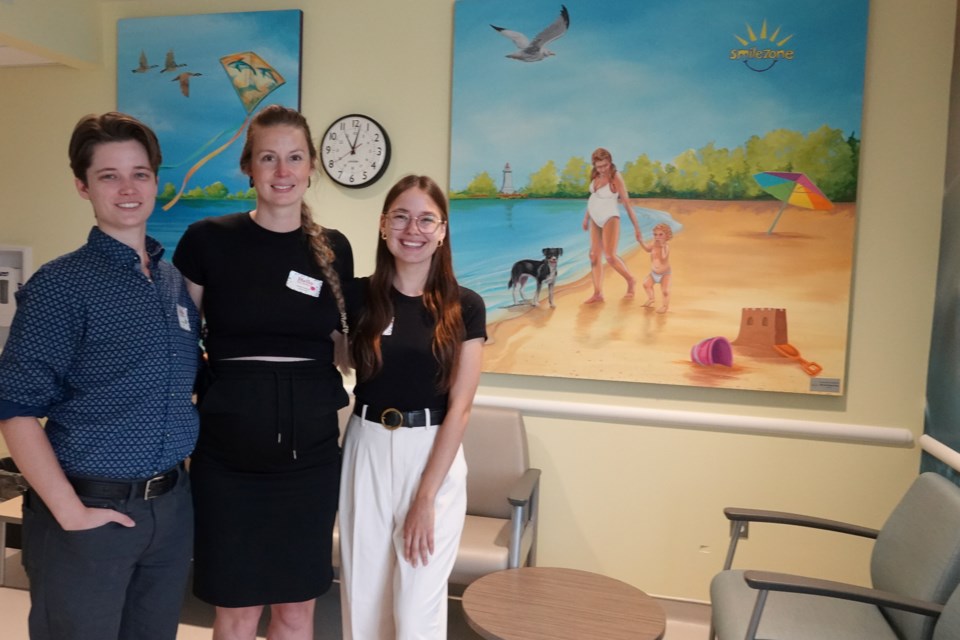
[602,219]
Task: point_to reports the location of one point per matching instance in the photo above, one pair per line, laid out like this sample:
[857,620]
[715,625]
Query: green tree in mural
[575,178]
[690,176]
[641,175]
[481,185]
[827,159]
[216,191]
[544,182]
[847,192]
[824,155]
[774,151]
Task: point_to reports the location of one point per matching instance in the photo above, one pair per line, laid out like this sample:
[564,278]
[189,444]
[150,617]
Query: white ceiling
[13,57]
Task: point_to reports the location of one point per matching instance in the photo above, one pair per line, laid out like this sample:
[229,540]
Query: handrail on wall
[940,451]
[781,427]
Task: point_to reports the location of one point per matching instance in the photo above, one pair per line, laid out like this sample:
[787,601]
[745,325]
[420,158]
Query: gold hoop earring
[383,235]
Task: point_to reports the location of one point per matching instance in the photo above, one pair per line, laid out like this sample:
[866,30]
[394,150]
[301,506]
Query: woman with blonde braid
[266,469]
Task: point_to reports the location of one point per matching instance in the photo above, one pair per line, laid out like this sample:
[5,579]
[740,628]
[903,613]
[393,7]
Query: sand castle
[761,328]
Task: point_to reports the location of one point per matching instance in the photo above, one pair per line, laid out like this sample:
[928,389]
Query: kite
[253,80]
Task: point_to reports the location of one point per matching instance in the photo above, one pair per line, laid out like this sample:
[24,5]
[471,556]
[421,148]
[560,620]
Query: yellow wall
[640,503]
[63,31]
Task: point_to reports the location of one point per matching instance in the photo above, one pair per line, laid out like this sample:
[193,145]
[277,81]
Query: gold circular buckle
[388,415]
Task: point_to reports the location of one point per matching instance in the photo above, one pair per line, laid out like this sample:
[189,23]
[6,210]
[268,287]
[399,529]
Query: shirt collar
[119,253]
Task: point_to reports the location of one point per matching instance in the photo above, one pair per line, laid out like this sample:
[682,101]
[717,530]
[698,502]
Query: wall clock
[355,151]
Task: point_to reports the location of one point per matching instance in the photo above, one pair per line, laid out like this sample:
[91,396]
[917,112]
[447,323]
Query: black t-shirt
[255,300]
[408,379]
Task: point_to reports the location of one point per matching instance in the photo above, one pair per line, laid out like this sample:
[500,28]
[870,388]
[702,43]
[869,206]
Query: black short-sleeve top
[408,379]
[263,292]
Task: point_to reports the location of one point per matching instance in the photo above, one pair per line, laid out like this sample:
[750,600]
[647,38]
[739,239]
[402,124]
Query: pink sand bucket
[712,351]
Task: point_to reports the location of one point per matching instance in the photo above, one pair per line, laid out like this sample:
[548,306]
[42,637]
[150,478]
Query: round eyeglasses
[398,221]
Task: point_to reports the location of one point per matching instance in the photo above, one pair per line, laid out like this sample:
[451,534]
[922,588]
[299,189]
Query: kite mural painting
[253,80]
[226,66]
[701,281]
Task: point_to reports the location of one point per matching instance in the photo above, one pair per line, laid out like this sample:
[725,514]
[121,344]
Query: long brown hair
[602,154]
[441,297]
[276,115]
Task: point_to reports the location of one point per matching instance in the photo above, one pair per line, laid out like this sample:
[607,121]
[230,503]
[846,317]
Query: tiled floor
[685,621]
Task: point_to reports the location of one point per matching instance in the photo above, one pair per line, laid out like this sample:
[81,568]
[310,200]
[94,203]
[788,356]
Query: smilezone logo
[762,52]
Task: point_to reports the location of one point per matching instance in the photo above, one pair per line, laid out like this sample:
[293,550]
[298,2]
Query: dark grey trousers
[112,581]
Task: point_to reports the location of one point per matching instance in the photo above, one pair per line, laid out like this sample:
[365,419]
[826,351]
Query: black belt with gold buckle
[392,418]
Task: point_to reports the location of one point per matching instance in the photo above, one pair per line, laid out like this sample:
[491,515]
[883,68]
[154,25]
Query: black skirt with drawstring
[266,477]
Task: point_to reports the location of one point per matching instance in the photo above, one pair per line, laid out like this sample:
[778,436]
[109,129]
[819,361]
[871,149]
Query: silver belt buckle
[149,486]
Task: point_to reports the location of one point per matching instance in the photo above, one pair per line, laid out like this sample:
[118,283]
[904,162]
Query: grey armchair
[500,531]
[914,567]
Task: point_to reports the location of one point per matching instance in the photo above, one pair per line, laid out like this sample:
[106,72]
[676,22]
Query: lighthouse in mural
[506,187]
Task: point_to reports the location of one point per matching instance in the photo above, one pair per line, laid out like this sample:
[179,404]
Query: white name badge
[304,284]
[389,330]
[183,317]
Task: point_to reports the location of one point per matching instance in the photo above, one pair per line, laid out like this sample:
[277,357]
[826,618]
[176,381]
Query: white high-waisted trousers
[382,596]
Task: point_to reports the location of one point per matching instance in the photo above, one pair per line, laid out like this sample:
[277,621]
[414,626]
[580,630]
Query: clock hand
[348,153]
[353,147]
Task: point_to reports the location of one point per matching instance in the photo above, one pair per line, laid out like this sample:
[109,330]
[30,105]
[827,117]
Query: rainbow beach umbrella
[792,188]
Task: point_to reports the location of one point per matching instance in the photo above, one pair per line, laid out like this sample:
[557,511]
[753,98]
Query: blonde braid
[323,254]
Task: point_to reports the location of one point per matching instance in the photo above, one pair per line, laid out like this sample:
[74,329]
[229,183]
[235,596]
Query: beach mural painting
[198,80]
[730,129]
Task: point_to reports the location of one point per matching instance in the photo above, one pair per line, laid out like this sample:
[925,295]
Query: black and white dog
[545,272]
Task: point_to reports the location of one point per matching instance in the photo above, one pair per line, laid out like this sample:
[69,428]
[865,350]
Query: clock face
[355,151]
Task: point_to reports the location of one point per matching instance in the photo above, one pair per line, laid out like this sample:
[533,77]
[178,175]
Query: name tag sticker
[183,317]
[304,284]
[389,330]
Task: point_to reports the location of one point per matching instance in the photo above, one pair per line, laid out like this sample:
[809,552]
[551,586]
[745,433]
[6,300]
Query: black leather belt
[121,489]
[394,418]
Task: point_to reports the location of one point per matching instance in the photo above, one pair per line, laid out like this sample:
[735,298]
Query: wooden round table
[539,603]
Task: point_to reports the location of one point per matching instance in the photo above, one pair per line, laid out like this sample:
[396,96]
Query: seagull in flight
[537,50]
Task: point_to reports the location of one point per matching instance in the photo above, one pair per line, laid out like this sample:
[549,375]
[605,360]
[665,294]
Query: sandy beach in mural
[723,262]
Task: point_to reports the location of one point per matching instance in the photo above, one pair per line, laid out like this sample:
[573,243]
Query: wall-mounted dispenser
[14,271]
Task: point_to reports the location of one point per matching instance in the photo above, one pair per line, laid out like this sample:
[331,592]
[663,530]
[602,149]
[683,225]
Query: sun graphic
[765,49]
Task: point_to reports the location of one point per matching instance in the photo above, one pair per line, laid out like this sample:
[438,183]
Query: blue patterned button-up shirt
[109,356]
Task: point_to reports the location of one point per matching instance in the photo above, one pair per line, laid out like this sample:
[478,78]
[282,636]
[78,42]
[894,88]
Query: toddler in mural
[659,251]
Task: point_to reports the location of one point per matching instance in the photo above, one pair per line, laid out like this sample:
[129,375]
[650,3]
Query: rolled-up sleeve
[43,340]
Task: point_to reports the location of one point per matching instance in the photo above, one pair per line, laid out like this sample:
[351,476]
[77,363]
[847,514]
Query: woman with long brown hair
[602,220]
[267,464]
[417,348]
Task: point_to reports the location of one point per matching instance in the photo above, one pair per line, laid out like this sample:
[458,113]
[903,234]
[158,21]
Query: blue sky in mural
[213,111]
[650,77]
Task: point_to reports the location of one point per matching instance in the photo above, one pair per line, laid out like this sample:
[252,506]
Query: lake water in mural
[484,232]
